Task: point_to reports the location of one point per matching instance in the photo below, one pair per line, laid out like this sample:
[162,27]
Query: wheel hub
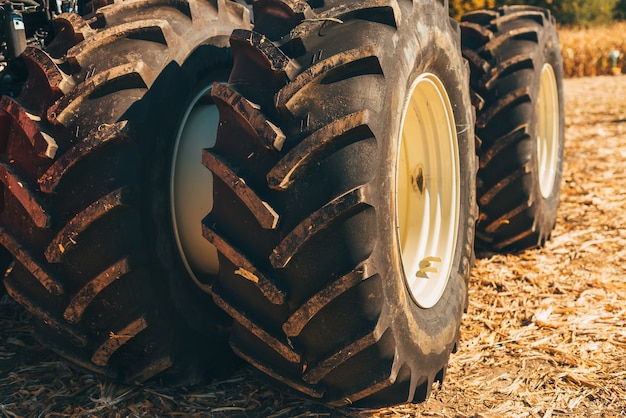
[428,190]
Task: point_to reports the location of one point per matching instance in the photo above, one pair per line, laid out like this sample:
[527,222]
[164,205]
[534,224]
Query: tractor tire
[90,167]
[517,90]
[344,197]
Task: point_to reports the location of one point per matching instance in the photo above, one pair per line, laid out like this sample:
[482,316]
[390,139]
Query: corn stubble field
[545,334]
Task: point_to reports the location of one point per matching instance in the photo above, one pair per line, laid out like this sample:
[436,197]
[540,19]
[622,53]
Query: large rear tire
[517,86]
[87,169]
[344,197]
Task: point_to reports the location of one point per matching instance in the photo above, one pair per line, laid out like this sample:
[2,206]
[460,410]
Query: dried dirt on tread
[545,335]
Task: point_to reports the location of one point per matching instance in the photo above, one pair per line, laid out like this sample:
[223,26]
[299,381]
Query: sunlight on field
[586,51]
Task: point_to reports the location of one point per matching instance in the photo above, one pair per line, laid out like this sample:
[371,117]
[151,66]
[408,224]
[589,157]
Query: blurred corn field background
[586,51]
[592,32]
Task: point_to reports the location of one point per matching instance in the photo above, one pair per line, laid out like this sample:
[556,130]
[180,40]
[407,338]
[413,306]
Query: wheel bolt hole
[417,179]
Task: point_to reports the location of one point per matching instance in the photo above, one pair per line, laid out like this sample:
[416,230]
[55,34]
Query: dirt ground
[545,335]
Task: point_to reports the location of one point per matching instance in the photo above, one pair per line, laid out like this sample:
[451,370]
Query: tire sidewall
[428,335]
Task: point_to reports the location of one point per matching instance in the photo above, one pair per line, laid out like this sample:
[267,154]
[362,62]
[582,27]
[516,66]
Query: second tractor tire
[517,89]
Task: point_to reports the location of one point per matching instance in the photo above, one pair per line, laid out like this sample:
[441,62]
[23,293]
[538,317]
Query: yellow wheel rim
[191,187]
[428,190]
[548,130]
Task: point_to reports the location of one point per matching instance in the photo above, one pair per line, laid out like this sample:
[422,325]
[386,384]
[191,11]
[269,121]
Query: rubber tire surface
[507,49]
[5,261]
[304,223]
[84,165]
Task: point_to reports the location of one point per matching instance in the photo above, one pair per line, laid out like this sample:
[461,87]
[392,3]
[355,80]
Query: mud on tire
[85,162]
[310,168]
[517,89]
